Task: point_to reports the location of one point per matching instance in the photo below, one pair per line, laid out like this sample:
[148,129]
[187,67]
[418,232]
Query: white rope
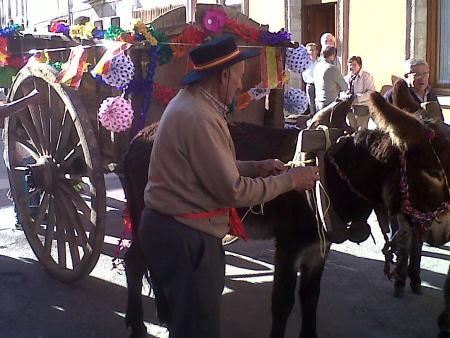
[250,209]
[320,226]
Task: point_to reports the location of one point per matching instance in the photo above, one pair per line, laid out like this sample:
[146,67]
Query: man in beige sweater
[194,182]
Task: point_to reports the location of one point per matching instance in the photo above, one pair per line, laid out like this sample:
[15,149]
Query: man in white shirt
[308,76]
[360,86]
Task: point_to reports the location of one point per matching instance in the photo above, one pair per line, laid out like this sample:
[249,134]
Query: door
[316,20]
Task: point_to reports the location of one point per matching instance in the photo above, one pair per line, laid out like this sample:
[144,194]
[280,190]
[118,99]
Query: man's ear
[224,75]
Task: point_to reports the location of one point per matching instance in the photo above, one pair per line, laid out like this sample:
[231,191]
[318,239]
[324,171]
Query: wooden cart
[57,152]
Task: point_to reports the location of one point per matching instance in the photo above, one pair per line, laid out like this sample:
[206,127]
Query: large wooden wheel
[55,175]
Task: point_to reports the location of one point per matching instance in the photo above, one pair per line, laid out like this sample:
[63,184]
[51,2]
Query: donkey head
[417,185]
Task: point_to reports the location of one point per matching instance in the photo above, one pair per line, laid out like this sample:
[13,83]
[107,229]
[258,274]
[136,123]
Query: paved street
[356,299]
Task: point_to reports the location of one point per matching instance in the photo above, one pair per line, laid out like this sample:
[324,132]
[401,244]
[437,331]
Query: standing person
[194,183]
[360,85]
[328,39]
[328,80]
[308,76]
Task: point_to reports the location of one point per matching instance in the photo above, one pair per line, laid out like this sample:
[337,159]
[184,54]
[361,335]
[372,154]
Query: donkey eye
[435,173]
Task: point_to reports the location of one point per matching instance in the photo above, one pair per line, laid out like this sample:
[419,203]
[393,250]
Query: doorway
[316,20]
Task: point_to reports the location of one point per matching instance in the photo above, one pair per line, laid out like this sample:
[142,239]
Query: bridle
[422,219]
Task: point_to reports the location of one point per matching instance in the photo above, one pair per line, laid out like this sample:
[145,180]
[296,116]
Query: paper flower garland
[116,114]
[120,72]
[272,39]
[191,36]
[295,101]
[60,27]
[297,59]
[83,32]
[214,20]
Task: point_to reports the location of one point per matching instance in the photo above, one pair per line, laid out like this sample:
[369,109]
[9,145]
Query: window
[444,53]
[438,44]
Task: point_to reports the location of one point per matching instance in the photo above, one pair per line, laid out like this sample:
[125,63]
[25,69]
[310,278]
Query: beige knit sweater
[193,166]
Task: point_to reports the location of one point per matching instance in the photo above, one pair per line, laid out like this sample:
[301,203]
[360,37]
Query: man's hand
[304,177]
[270,167]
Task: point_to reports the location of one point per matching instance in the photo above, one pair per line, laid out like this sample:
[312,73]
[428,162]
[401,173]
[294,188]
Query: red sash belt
[236,226]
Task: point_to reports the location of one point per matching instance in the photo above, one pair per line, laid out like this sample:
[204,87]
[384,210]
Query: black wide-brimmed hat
[215,55]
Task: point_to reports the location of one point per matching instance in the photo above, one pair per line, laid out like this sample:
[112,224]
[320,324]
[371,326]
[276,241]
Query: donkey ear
[402,97]
[404,128]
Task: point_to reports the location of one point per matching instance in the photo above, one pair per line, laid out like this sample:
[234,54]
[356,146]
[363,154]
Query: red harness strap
[236,226]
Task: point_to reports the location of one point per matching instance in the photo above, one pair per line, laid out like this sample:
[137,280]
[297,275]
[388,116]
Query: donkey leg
[404,243]
[444,317]
[311,270]
[283,293]
[414,265]
[135,268]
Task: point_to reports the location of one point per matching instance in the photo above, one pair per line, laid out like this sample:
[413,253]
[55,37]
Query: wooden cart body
[58,151]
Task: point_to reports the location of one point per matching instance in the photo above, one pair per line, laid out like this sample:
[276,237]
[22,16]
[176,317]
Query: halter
[422,219]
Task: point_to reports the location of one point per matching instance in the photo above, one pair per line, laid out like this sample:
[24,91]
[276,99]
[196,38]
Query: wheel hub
[41,174]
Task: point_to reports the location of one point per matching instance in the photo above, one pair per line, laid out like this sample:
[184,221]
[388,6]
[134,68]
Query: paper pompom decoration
[297,59]
[116,114]
[121,71]
[295,101]
[214,20]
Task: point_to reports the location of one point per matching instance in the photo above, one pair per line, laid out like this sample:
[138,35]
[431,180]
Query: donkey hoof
[337,236]
[358,232]
[416,289]
[140,332]
[399,291]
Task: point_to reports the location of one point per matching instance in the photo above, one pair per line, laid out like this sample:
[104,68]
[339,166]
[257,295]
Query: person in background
[417,73]
[328,80]
[7,109]
[360,85]
[308,76]
[328,39]
[194,184]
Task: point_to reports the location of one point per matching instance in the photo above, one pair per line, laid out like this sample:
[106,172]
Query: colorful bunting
[3,51]
[271,68]
[72,70]
[114,49]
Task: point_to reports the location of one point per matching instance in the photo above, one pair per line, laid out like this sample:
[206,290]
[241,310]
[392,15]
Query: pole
[69,12]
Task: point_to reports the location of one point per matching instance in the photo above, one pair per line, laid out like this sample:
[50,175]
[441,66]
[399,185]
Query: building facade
[384,33]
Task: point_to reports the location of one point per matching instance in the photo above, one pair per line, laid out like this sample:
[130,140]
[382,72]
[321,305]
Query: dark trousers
[311,94]
[187,273]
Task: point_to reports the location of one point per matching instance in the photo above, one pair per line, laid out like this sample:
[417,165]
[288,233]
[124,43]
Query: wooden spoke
[60,233]
[50,234]
[27,124]
[78,201]
[44,113]
[80,237]
[64,137]
[26,146]
[42,211]
[56,124]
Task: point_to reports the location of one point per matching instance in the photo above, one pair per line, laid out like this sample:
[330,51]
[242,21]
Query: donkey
[402,167]
[290,218]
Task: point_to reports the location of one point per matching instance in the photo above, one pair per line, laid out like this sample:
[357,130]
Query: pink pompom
[116,114]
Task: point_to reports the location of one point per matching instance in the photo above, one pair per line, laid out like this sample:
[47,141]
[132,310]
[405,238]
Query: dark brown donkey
[364,170]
